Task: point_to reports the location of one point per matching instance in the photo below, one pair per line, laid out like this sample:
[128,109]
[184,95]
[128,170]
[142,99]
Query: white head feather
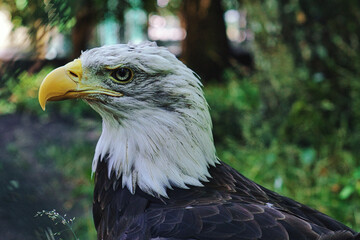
[159,134]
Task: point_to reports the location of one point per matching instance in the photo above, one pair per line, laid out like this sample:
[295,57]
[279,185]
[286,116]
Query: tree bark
[205,48]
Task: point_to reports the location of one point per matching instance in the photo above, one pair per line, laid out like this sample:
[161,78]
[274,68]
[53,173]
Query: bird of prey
[157,175]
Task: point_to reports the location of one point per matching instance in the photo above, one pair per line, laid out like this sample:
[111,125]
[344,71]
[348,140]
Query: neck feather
[157,149]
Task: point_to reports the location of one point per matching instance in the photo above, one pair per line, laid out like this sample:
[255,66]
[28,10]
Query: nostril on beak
[73,74]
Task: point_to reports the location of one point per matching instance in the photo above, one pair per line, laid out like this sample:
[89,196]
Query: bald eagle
[157,175]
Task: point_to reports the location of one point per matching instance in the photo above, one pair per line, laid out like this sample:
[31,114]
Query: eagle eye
[122,75]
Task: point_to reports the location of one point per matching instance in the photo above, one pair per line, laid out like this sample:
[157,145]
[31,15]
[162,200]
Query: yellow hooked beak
[66,82]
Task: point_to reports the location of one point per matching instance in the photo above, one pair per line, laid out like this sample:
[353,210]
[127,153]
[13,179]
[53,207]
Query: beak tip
[57,84]
[42,100]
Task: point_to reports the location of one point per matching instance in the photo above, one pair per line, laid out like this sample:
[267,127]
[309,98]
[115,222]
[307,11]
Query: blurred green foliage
[75,165]
[35,13]
[324,176]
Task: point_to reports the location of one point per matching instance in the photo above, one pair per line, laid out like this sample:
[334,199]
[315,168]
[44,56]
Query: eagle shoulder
[229,206]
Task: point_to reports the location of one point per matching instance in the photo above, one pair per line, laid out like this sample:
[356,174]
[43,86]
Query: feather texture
[229,206]
[163,117]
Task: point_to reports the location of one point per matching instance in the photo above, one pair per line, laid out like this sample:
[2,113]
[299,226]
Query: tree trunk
[205,48]
[86,19]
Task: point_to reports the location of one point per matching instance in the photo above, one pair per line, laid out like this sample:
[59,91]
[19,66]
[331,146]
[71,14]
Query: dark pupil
[122,73]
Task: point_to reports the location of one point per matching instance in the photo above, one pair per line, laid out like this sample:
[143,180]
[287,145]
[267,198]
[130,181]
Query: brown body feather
[229,206]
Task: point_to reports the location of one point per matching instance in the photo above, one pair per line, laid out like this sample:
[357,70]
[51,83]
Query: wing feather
[229,206]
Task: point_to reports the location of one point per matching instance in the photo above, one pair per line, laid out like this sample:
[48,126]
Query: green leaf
[346,192]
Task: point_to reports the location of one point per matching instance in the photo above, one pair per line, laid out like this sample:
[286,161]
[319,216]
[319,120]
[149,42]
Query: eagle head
[157,130]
